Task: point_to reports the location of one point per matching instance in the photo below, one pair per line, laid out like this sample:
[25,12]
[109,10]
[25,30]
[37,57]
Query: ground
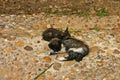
[24,54]
[58,6]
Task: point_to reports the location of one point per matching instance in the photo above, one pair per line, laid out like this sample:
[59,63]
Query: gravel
[24,54]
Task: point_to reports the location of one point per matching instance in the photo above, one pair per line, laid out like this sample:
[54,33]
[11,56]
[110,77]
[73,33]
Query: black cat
[55,45]
[75,48]
[51,33]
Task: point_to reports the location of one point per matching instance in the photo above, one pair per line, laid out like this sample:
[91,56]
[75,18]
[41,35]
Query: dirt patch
[58,6]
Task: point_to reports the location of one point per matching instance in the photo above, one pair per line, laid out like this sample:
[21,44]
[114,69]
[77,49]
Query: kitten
[51,33]
[55,45]
[75,48]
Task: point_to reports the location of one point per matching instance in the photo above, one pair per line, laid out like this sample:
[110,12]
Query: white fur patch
[80,50]
[51,51]
[61,58]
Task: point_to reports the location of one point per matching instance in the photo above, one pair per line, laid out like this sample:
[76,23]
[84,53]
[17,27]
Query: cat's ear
[66,33]
[66,30]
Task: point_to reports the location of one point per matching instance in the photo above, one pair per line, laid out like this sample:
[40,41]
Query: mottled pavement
[23,53]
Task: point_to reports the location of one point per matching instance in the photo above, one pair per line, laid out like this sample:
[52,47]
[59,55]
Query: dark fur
[75,44]
[66,34]
[55,45]
[75,48]
[51,33]
[70,43]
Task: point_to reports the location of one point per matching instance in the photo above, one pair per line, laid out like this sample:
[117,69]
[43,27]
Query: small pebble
[68,63]
[1,24]
[36,27]
[116,51]
[110,51]
[1,34]
[47,59]
[28,48]
[66,79]
[57,66]
[94,49]
[8,49]
[118,38]
[20,43]
[11,38]
[9,26]
[42,77]
[51,78]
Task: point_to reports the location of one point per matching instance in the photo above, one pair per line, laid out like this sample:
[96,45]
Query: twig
[43,72]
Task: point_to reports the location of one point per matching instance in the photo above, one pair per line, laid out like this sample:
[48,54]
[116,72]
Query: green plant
[102,12]
[72,31]
[86,15]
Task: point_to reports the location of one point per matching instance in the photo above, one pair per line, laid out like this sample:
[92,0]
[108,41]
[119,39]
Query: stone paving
[23,53]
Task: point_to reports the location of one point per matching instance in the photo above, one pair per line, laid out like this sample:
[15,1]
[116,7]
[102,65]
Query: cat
[51,33]
[76,49]
[55,45]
